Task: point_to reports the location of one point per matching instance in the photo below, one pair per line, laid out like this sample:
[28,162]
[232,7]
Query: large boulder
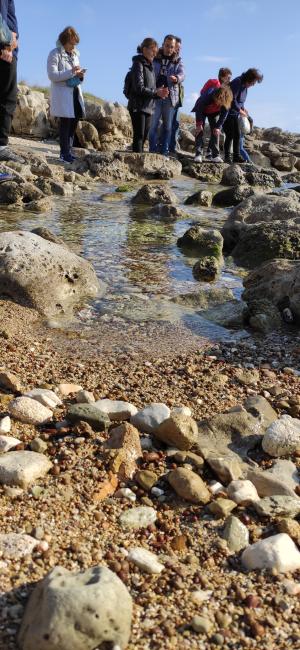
[259,242]
[42,274]
[31,114]
[87,135]
[202,241]
[276,284]
[153,194]
[112,122]
[77,611]
[119,167]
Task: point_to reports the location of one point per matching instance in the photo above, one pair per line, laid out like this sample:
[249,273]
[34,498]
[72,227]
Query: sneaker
[8,155]
[198,158]
[5,177]
[208,156]
[228,160]
[67,158]
[217,159]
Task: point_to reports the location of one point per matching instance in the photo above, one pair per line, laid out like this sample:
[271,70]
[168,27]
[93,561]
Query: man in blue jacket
[8,75]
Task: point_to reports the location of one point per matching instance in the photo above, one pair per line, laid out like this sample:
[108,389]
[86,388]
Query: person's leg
[243,151]
[73,127]
[199,144]
[153,133]
[228,130]
[214,139]
[64,136]
[138,131]
[174,131]
[8,98]
[167,118]
[236,138]
[147,123]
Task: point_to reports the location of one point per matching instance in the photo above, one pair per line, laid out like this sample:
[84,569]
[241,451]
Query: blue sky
[234,33]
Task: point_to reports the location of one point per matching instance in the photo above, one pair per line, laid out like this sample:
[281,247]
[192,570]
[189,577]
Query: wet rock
[222,507]
[44,396]
[206,172]
[78,611]
[242,492]
[149,418]
[203,241]
[14,546]
[88,413]
[278,506]
[7,443]
[11,382]
[145,560]
[22,468]
[29,410]
[236,534]
[232,196]
[260,242]
[139,517]
[206,269]
[276,552]
[282,437]
[203,197]
[116,409]
[49,235]
[178,431]
[126,440]
[267,484]
[189,486]
[152,194]
[43,275]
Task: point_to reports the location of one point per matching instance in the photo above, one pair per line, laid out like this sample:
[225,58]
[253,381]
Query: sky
[234,33]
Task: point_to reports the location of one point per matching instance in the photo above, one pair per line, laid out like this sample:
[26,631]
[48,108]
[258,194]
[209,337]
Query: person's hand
[6,55]
[216,132]
[76,70]
[162,92]
[14,41]
[173,79]
[199,128]
[243,112]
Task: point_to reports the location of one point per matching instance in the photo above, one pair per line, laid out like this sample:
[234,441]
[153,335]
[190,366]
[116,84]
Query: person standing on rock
[220,99]
[8,76]
[169,73]
[142,92]
[239,87]
[224,77]
[175,123]
[66,99]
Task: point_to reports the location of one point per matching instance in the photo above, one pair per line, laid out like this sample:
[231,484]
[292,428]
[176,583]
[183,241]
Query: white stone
[282,436]
[125,493]
[14,546]
[84,397]
[242,492]
[7,443]
[276,552]
[116,409]
[5,424]
[139,517]
[200,596]
[157,492]
[148,419]
[216,487]
[29,410]
[182,410]
[44,396]
[145,560]
[21,468]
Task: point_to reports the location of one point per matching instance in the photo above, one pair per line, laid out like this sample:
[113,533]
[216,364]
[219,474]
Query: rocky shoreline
[170,466]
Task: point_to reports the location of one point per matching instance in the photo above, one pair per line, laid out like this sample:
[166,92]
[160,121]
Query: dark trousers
[175,131]
[231,129]
[141,125]
[214,139]
[67,128]
[8,97]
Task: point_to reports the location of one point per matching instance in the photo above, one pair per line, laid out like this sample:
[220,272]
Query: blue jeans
[165,111]
[175,131]
[243,151]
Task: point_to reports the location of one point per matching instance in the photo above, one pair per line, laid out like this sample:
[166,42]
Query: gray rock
[271,285]
[203,197]
[227,468]
[26,409]
[152,194]
[14,546]
[202,241]
[78,611]
[85,397]
[286,471]
[44,275]
[7,443]
[260,408]
[233,195]
[278,506]
[233,175]
[207,269]
[139,517]
[267,484]
[89,413]
[236,534]
[178,430]
[148,419]
[116,409]
[226,433]
[21,468]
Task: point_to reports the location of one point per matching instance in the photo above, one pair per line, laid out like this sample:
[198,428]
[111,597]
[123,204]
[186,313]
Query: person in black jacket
[143,92]
[8,76]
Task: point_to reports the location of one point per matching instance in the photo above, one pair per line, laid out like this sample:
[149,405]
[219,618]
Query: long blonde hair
[223,97]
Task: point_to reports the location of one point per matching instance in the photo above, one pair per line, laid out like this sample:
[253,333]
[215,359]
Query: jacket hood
[142,58]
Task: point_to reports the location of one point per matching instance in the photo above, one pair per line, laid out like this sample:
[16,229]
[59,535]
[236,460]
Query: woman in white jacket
[66,100]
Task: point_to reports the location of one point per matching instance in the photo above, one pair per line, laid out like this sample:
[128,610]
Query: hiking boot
[228,160]
[217,159]
[198,158]
[239,160]
[208,156]
[6,154]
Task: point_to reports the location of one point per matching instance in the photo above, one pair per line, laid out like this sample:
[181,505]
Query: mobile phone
[83,70]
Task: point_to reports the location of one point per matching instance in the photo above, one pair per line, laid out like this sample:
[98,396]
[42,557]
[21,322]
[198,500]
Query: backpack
[127,84]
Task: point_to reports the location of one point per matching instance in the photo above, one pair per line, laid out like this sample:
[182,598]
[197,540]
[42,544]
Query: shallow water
[135,255]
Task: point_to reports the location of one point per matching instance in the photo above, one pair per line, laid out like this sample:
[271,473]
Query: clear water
[135,255]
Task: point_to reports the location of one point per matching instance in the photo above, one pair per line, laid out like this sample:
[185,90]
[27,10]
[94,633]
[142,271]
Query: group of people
[154,88]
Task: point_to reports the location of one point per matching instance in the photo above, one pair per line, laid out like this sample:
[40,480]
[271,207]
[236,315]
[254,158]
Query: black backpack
[127,89]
